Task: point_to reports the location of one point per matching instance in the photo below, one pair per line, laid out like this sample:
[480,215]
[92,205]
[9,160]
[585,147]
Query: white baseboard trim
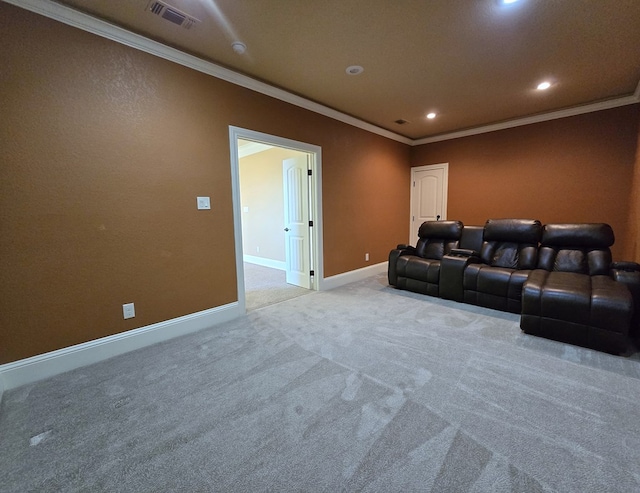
[265,262]
[47,365]
[353,276]
[30,370]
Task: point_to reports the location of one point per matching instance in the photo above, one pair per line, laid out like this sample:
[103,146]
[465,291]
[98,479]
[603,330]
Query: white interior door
[428,195]
[296,221]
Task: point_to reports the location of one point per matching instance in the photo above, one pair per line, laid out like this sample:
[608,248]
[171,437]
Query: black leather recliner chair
[572,295]
[418,268]
[509,252]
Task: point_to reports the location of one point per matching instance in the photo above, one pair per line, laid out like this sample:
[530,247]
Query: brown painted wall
[104,150]
[633,245]
[576,169]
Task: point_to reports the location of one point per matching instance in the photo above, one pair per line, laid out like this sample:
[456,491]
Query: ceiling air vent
[401,122]
[171,14]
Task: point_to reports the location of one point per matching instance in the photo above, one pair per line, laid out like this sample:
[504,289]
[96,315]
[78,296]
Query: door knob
[286,229]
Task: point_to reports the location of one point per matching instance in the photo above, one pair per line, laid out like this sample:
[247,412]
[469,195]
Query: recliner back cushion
[593,262]
[513,230]
[509,255]
[450,230]
[471,238]
[579,248]
[437,238]
[571,260]
[511,243]
[563,260]
[588,235]
[435,248]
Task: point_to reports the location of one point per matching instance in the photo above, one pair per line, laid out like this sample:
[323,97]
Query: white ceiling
[476,63]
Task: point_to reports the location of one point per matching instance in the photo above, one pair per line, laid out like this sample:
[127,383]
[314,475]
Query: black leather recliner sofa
[559,277]
[572,295]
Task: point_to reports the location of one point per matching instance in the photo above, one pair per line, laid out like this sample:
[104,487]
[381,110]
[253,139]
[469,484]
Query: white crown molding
[29,370]
[102,28]
[543,117]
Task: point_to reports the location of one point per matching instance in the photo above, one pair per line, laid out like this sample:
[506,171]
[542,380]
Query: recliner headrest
[441,229]
[594,235]
[513,230]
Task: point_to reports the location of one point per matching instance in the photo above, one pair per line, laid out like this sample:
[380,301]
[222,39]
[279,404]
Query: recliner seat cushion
[418,268]
[418,274]
[558,295]
[494,287]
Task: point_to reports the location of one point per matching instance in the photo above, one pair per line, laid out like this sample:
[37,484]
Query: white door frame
[315,164]
[445,191]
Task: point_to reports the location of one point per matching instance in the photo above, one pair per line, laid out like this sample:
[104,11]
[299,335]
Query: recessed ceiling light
[431,115]
[354,70]
[544,85]
[239,47]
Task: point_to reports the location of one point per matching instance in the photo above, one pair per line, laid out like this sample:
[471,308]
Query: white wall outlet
[366,257]
[245,209]
[128,310]
[204,203]
[257,249]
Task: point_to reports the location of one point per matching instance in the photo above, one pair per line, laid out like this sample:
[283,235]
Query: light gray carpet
[266,286]
[362,388]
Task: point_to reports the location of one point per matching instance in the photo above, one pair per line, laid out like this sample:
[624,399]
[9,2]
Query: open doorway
[277,217]
[274,200]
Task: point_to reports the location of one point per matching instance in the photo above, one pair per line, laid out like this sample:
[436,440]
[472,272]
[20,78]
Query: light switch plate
[128,310]
[204,203]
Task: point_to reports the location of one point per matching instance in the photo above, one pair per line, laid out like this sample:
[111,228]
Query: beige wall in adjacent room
[576,169]
[262,201]
[104,151]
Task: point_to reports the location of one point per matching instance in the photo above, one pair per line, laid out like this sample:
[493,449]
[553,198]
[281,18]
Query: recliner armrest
[408,248]
[463,252]
[394,255]
[451,275]
[628,273]
[626,266]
